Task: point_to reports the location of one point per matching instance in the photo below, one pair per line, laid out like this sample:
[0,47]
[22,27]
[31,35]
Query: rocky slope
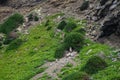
[105,13]
[32,55]
[102,15]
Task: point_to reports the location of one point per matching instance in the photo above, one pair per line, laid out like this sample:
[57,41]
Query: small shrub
[36,18]
[60,51]
[84,6]
[62,25]
[70,26]
[74,40]
[15,44]
[11,23]
[30,17]
[93,65]
[77,76]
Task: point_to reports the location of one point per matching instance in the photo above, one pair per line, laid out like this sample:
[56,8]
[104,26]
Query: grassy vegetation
[11,23]
[21,59]
[27,53]
[74,40]
[60,51]
[94,64]
[77,76]
[62,25]
[109,72]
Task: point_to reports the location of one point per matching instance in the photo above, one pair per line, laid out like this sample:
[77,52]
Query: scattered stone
[114,59]
[89,51]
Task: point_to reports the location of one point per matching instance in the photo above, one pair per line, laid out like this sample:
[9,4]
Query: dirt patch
[53,68]
[4,12]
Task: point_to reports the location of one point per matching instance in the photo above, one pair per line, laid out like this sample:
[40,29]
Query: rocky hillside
[105,13]
[59,40]
[102,15]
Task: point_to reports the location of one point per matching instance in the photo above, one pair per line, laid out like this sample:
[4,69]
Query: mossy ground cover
[110,72]
[11,23]
[21,61]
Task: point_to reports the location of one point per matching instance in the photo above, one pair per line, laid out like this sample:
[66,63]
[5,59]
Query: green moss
[92,49]
[22,59]
[70,26]
[11,23]
[112,72]
[36,18]
[74,40]
[94,64]
[60,51]
[62,25]
[76,76]
[30,17]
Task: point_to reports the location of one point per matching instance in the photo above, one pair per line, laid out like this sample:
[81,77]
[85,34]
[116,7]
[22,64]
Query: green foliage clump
[11,23]
[36,18]
[15,44]
[70,26]
[30,17]
[74,40]
[84,6]
[62,25]
[94,64]
[81,30]
[60,51]
[77,76]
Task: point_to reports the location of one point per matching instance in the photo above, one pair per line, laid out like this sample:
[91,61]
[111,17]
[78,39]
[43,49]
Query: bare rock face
[22,3]
[5,11]
[111,26]
[103,18]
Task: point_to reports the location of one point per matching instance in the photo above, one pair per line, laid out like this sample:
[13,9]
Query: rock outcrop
[21,3]
[103,18]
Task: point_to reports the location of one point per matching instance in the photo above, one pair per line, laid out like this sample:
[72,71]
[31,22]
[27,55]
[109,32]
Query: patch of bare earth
[4,12]
[53,68]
